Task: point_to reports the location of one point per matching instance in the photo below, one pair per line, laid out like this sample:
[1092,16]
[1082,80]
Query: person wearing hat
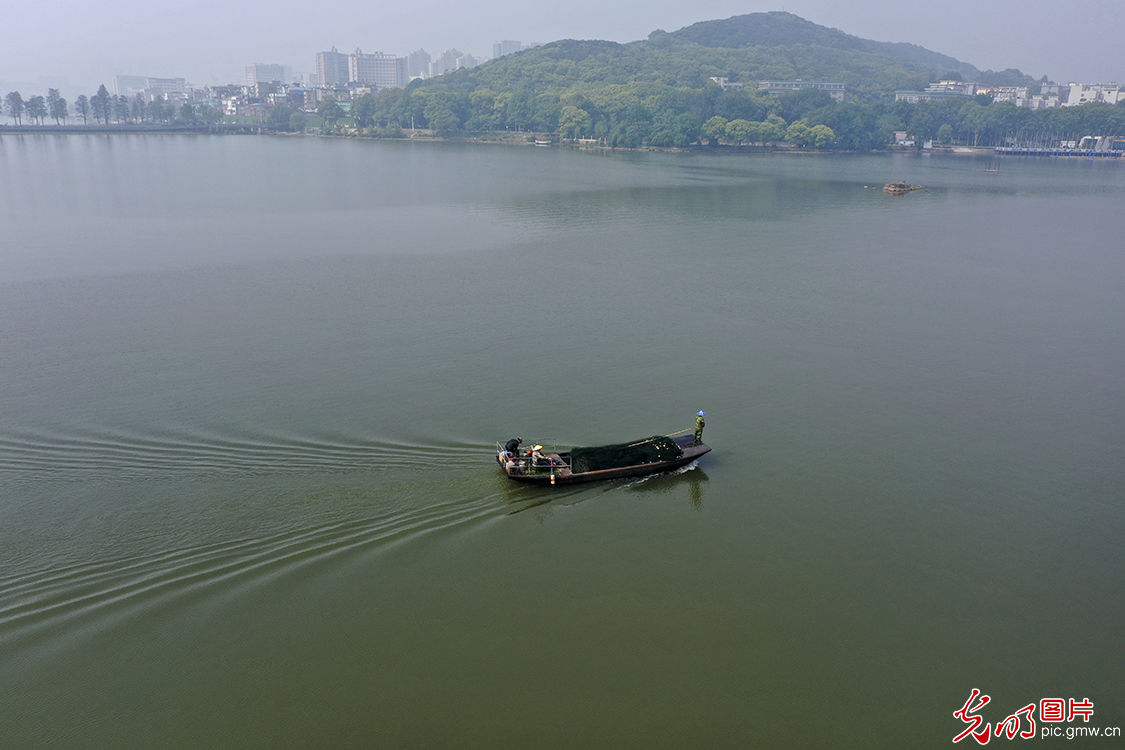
[537,458]
[513,446]
[699,425]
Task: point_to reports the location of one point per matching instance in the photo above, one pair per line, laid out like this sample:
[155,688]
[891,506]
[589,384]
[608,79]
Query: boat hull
[549,475]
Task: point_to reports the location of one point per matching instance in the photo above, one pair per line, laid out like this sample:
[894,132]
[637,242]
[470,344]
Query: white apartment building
[1086,93]
[377,69]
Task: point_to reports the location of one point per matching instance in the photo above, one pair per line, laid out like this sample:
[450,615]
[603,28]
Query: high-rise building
[466,61]
[331,68]
[418,63]
[130,86]
[505,47]
[446,63]
[165,87]
[377,69]
[263,73]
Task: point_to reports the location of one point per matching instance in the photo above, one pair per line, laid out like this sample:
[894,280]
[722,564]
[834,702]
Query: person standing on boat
[699,425]
[513,446]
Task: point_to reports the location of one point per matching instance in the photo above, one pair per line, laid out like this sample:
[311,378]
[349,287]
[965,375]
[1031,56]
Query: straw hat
[537,447]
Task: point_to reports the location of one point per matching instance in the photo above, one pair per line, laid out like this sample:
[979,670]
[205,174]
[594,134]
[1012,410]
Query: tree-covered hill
[657,92]
[745,48]
[780,29]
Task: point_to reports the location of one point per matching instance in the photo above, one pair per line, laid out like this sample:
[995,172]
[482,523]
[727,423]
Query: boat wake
[86,598]
[664,475]
[107,453]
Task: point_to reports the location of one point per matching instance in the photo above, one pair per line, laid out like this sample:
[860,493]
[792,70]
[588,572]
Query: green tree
[160,111]
[945,133]
[392,107]
[56,106]
[99,105]
[82,107]
[485,113]
[673,130]
[887,124]
[137,108]
[36,108]
[187,114]
[574,122]
[441,117]
[363,110]
[208,115]
[821,136]
[715,128]
[13,102]
[329,110]
[297,121]
[798,133]
[518,115]
[740,131]
[773,129]
[801,103]
[120,108]
[279,117]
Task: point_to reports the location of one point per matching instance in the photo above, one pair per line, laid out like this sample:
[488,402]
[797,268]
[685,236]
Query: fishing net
[647,451]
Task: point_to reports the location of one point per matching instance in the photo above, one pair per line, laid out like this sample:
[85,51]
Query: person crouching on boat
[539,461]
[513,446]
[699,425]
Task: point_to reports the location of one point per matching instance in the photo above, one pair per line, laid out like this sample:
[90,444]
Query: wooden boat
[900,188]
[652,455]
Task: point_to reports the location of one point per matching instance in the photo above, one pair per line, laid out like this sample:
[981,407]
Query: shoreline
[505,138]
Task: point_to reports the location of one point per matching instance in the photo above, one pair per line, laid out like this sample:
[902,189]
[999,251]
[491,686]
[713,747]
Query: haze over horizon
[68,45]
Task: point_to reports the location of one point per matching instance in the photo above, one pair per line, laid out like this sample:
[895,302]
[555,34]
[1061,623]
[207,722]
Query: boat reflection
[691,475]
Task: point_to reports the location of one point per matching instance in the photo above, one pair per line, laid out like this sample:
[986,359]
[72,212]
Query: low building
[1016,95]
[724,84]
[902,139]
[938,91]
[835,90]
[963,88]
[1041,102]
[913,97]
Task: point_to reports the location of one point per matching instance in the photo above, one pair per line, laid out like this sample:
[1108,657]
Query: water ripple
[88,597]
[115,453]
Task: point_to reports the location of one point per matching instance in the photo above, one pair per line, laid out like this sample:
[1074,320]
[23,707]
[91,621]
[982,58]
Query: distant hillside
[746,48]
[780,29]
[657,92]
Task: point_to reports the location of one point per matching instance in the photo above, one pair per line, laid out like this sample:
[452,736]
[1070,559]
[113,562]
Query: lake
[250,390]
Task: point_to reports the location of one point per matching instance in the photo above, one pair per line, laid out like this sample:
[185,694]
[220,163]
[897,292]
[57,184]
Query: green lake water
[250,390]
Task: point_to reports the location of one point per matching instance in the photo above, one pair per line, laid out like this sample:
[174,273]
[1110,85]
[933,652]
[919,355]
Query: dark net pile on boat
[646,451]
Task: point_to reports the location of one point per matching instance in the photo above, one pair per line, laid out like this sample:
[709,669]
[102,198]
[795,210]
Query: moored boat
[650,455]
[900,188]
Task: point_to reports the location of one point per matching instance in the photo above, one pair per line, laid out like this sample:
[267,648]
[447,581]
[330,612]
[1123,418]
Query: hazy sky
[76,44]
